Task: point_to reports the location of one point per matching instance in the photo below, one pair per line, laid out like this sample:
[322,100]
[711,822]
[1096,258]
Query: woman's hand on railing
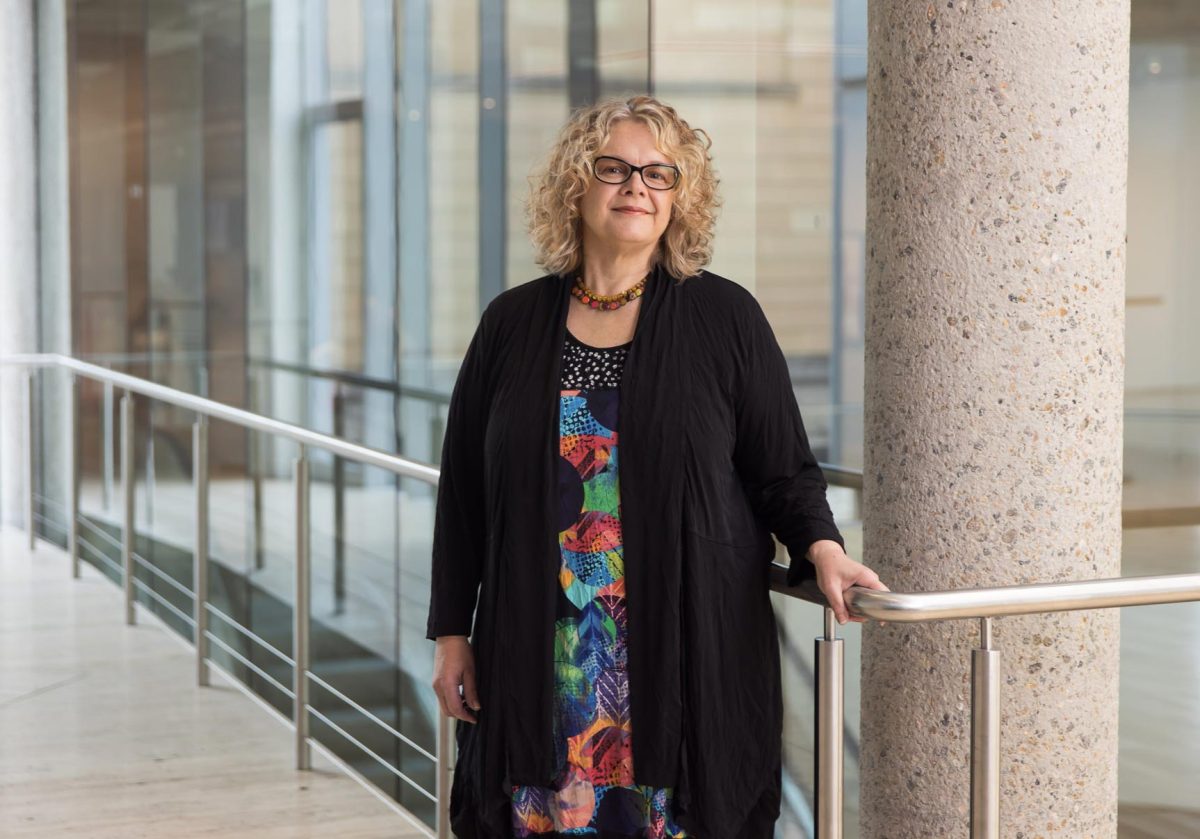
[836,572]
[454,668]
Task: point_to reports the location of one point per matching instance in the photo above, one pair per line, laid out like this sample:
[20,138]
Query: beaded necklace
[608,301]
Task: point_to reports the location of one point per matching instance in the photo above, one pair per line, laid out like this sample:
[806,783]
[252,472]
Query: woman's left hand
[836,572]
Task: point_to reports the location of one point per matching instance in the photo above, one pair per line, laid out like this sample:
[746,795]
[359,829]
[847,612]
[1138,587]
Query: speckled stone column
[996,175]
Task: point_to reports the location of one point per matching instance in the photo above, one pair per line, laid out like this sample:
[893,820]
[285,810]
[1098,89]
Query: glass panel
[538,104]
[344,47]
[169,348]
[623,47]
[337,292]
[454,104]
[1160,678]
[108,218]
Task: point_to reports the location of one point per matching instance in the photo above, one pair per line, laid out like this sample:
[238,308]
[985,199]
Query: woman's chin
[625,237]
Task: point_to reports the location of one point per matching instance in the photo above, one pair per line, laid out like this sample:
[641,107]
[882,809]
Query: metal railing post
[300,613]
[73,473]
[445,748]
[127,484]
[200,567]
[151,479]
[256,486]
[339,506]
[107,447]
[985,736]
[827,754]
[30,420]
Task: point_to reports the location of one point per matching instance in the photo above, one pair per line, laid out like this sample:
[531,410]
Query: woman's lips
[633,211]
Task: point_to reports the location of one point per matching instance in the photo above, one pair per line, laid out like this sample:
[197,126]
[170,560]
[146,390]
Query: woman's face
[629,214]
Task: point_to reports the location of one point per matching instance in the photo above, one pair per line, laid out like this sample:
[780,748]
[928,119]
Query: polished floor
[104,734]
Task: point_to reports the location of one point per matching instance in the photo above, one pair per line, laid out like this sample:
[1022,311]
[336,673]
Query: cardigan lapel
[654,394]
[654,399]
[527,579]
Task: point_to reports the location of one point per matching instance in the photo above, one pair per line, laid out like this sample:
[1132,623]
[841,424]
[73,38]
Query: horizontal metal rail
[842,476]
[49,522]
[163,575]
[367,750]
[227,413]
[395,732]
[1024,600]
[248,663]
[162,601]
[1035,598]
[113,566]
[48,502]
[258,639]
[86,522]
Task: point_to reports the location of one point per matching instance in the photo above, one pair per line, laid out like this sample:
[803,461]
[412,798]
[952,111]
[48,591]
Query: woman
[622,677]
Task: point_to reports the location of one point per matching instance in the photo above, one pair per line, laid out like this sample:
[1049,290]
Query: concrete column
[996,177]
[18,241]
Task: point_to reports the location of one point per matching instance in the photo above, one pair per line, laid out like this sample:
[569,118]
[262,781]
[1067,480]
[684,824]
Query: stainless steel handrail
[1030,599]
[206,409]
[1023,600]
[228,413]
[983,604]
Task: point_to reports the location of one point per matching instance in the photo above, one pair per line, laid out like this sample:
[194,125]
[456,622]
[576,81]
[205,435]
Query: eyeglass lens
[614,171]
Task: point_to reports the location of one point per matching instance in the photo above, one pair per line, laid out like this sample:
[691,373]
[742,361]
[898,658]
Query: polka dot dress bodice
[593,793]
[592,368]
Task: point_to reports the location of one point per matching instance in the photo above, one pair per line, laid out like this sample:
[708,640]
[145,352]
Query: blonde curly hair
[552,210]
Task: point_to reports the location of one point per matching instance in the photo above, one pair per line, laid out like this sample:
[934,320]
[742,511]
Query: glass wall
[1160,673]
[301,207]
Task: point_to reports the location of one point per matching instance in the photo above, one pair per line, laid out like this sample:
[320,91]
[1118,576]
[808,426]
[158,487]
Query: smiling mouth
[632,212]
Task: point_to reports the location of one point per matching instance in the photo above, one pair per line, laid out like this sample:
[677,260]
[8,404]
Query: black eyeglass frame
[638,170]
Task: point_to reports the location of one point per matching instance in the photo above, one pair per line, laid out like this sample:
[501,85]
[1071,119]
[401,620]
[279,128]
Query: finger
[866,578]
[439,692]
[470,694]
[464,713]
[833,593]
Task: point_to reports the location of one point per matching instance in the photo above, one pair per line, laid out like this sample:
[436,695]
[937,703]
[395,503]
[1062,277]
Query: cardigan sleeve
[783,480]
[459,529]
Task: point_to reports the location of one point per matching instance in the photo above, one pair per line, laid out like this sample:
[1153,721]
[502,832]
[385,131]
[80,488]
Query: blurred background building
[300,207]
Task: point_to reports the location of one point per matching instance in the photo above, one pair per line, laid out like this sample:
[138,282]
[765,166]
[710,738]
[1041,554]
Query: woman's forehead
[633,142]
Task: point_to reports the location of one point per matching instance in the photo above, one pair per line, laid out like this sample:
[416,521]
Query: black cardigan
[714,459]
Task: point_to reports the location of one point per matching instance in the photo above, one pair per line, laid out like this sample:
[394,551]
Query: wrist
[824,549]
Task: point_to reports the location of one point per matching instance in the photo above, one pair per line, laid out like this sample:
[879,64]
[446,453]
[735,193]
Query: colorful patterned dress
[593,793]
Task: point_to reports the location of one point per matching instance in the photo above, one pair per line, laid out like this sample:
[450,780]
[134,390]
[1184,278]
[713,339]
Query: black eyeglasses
[614,170]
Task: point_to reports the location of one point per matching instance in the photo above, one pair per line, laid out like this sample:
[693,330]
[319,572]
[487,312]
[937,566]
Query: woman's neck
[612,273]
